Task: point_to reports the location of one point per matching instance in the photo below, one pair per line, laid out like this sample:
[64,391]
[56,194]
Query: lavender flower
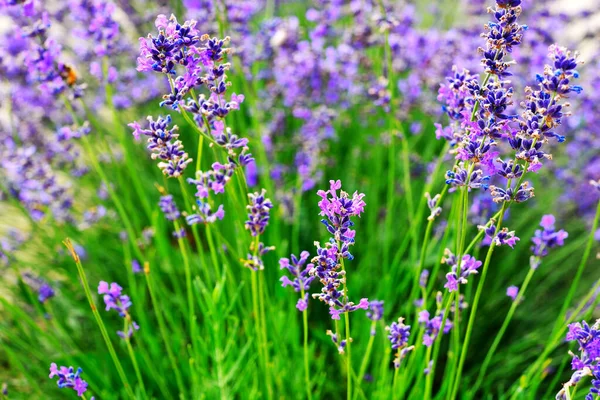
[328,261]
[375,311]
[163,145]
[586,362]
[433,326]
[460,270]
[168,207]
[433,207]
[136,268]
[338,211]
[258,213]
[504,237]
[69,378]
[45,292]
[512,292]
[547,237]
[114,299]
[301,282]
[398,336]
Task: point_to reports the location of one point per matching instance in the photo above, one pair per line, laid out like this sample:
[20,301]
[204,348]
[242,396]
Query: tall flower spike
[328,261]
[258,212]
[399,334]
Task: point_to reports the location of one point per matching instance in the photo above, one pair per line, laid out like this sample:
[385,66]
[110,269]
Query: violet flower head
[258,212]
[501,35]
[45,292]
[327,268]
[433,326]
[114,299]
[459,273]
[547,237]
[163,143]
[504,237]
[337,211]
[586,362]
[398,334]
[432,204]
[69,378]
[512,292]
[301,280]
[375,311]
[169,208]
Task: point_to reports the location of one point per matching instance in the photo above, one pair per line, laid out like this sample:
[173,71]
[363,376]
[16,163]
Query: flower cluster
[258,218]
[69,378]
[163,143]
[337,211]
[398,334]
[586,362]
[547,237]
[468,265]
[503,237]
[258,213]
[328,263]
[169,208]
[375,311]
[433,326]
[501,35]
[301,279]
[114,299]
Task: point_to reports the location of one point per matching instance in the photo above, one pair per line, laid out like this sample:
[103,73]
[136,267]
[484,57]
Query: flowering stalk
[103,331]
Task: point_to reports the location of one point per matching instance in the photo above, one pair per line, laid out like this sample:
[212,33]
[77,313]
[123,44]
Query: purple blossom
[547,237]
[586,362]
[459,273]
[45,292]
[433,326]
[375,311]
[512,292]
[300,273]
[398,334]
[114,299]
[258,212]
[69,378]
[169,208]
[504,237]
[337,212]
[163,143]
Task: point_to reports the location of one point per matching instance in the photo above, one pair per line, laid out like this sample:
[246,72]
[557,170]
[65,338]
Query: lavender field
[321,199]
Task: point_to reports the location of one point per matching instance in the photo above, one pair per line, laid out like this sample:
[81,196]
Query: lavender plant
[246,108]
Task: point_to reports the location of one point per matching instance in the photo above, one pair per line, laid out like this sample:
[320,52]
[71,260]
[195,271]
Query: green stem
[163,331]
[306,353]
[132,356]
[502,331]
[103,331]
[188,282]
[465,346]
[367,357]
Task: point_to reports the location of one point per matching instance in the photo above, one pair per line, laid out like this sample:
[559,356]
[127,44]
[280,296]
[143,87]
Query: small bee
[69,75]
